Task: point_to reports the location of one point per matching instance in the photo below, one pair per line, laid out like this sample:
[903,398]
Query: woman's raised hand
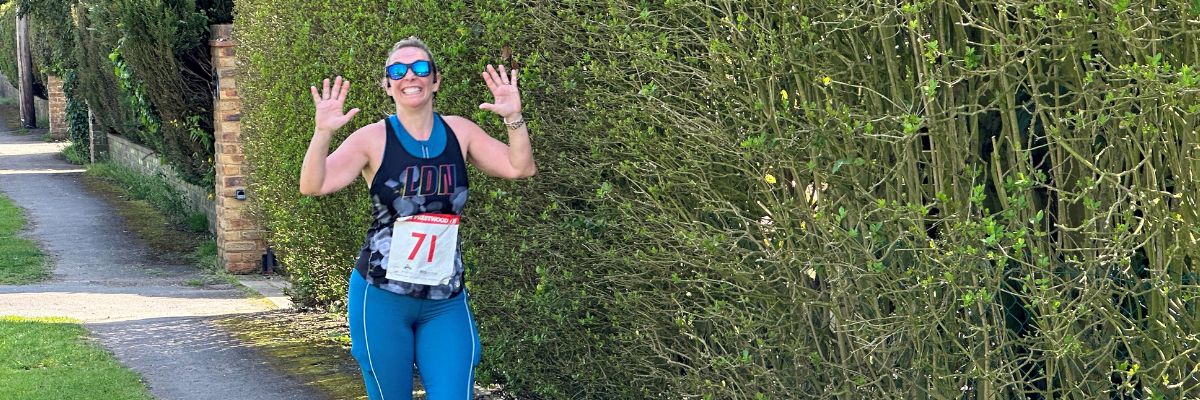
[330,103]
[503,85]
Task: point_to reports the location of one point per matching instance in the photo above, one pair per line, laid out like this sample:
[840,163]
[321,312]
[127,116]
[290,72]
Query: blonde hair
[411,41]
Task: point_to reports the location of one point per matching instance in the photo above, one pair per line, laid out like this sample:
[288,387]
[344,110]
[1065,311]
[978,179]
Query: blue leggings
[389,331]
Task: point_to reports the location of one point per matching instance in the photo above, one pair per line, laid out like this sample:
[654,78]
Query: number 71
[421,239]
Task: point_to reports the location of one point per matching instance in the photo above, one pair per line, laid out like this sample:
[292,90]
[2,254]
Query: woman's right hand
[329,105]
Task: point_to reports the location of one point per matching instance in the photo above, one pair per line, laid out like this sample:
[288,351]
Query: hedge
[54,48]
[8,44]
[142,65]
[164,46]
[54,52]
[100,86]
[785,199]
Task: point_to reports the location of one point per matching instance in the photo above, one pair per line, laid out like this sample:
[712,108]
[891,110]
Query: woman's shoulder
[455,119]
[373,129]
[369,135]
[461,125]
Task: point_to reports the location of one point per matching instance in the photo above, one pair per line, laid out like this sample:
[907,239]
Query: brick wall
[131,155]
[240,243]
[57,104]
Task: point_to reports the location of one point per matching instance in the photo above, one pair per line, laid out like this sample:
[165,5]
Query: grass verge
[76,154]
[154,191]
[141,210]
[21,261]
[153,211]
[51,358]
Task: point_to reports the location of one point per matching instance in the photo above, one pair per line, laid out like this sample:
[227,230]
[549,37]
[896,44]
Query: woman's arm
[493,157]
[321,174]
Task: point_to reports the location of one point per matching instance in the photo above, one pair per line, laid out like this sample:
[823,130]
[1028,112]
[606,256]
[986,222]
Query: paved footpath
[135,304]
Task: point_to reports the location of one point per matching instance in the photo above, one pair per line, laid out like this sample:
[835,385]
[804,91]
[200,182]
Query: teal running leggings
[389,331]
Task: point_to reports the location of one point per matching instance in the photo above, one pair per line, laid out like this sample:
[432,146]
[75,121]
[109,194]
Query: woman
[407,301]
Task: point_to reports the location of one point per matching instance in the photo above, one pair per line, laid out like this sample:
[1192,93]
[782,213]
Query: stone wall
[97,139]
[146,162]
[7,90]
[39,111]
[13,94]
[56,108]
[240,243]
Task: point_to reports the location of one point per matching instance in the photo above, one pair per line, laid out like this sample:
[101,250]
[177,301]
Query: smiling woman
[414,162]
[21,261]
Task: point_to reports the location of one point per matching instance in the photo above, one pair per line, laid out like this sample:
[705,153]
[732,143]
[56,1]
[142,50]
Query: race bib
[423,249]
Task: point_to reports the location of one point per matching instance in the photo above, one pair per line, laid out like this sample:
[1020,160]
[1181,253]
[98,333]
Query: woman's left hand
[503,85]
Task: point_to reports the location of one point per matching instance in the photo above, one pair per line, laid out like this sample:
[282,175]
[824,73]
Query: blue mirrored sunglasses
[419,68]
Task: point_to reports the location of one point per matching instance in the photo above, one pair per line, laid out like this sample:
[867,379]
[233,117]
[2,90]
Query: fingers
[487,106]
[338,92]
[345,89]
[495,78]
[351,114]
[490,78]
[337,89]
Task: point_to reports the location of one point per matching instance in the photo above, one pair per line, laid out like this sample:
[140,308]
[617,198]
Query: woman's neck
[418,122]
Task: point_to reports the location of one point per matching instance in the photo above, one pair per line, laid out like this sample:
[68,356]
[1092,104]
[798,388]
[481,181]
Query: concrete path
[133,302]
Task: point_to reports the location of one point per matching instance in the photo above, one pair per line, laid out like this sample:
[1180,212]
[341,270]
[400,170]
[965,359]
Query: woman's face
[411,91]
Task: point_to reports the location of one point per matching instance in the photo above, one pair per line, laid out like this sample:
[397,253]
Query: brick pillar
[56,101]
[240,242]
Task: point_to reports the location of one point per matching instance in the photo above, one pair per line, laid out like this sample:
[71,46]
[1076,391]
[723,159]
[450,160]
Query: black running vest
[415,177]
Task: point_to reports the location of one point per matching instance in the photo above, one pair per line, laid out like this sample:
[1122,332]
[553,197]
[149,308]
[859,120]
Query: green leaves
[970,59]
[911,123]
[731,193]
[1120,6]
[857,161]
[754,142]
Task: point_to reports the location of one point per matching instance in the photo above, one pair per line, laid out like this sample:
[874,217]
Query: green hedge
[8,42]
[51,20]
[784,199]
[8,48]
[98,83]
[78,130]
[164,47]
[158,50]
[54,52]
[143,65]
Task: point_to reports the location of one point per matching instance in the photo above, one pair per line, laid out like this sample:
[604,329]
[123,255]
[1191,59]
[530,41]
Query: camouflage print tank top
[415,177]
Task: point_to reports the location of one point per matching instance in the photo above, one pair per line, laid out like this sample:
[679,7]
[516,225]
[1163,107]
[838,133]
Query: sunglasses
[419,68]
